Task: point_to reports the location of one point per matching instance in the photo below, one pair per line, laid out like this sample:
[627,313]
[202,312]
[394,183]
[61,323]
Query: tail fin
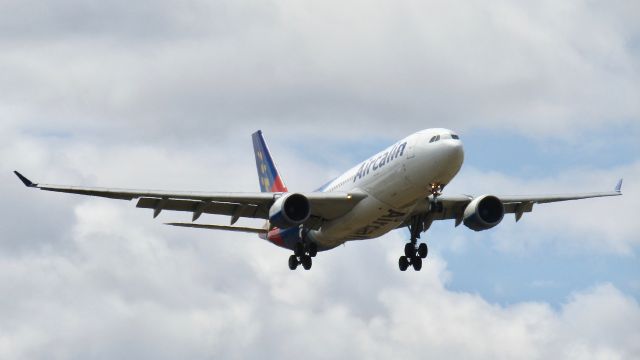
[270,180]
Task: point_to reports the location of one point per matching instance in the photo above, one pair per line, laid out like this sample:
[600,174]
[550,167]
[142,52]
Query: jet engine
[289,210]
[483,213]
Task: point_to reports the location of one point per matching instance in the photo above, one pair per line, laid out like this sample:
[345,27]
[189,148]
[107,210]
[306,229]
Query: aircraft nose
[455,151]
[440,161]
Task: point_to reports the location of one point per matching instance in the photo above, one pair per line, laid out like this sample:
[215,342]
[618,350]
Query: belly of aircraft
[387,220]
[370,219]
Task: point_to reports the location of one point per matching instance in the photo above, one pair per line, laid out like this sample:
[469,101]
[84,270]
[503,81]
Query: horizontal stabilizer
[220,227]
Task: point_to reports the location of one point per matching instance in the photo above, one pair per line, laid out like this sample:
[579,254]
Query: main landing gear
[302,254]
[414,253]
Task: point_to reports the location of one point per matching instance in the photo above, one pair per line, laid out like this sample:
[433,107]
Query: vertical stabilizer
[270,179]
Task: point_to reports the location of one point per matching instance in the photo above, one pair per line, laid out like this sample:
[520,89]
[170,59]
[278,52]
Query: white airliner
[398,187]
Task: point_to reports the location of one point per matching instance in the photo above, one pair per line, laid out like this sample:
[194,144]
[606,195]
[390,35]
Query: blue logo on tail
[270,180]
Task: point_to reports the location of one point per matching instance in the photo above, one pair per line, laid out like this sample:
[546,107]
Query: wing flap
[207,207]
[220,227]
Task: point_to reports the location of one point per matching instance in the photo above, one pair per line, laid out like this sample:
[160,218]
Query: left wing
[453,206]
[324,206]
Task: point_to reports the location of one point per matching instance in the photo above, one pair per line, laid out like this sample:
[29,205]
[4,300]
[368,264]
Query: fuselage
[395,181]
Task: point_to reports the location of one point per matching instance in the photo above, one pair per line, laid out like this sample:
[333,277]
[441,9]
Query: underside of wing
[235,209]
[323,206]
[454,207]
[220,227]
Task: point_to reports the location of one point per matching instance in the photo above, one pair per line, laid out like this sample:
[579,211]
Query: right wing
[221,227]
[324,206]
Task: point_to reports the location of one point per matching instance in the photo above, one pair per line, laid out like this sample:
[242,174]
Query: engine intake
[483,213]
[289,210]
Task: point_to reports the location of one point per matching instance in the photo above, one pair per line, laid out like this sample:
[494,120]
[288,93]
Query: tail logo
[266,182]
[270,180]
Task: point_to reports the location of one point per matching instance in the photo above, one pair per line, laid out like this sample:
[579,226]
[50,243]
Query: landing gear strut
[414,252]
[302,254]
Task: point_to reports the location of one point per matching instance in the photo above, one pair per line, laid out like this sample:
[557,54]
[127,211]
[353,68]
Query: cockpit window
[443,137]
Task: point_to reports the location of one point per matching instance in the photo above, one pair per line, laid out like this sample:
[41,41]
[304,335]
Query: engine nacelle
[289,210]
[483,213]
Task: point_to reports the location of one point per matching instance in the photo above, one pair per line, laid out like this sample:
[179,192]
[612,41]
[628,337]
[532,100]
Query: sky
[163,95]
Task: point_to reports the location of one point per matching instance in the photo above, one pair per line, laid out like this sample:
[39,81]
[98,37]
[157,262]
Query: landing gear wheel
[409,250]
[313,249]
[417,263]
[293,262]
[298,249]
[403,263]
[423,250]
[306,261]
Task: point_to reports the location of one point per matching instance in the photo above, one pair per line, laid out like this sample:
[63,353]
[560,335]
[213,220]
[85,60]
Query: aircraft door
[411,147]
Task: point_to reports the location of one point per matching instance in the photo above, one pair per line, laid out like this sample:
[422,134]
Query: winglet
[24,180]
[619,186]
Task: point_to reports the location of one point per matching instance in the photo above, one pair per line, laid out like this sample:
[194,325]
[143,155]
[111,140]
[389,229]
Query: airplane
[401,186]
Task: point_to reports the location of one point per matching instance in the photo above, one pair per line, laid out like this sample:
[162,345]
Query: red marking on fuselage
[275,237]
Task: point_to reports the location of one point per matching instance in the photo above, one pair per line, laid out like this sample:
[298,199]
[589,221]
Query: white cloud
[538,68]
